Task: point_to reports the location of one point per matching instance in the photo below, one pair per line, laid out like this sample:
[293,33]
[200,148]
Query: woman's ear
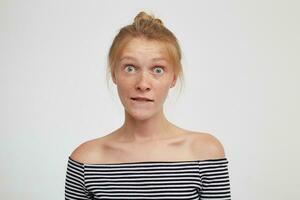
[173,81]
[113,77]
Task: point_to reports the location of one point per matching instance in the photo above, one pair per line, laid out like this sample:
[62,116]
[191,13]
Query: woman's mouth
[141,99]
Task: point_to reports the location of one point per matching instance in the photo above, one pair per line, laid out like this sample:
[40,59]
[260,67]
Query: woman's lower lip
[141,101]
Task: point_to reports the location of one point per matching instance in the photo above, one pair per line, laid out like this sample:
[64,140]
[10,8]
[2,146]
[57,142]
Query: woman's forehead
[155,50]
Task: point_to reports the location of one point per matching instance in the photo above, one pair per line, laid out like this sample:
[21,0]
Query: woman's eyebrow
[127,58]
[159,58]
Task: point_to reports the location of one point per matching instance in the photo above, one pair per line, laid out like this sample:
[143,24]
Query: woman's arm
[214,176]
[215,182]
[74,184]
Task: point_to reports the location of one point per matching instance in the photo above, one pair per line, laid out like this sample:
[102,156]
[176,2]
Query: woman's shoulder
[88,151]
[206,145]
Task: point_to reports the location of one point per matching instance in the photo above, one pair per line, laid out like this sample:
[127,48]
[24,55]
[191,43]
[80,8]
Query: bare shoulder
[207,146]
[88,151]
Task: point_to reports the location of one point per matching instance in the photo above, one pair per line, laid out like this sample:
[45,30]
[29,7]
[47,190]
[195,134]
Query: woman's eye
[129,67]
[159,70]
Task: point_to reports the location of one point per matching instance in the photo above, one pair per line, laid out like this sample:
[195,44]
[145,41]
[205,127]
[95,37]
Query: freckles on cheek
[124,83]
[120,79]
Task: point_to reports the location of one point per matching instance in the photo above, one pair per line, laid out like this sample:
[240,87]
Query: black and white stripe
[181,180]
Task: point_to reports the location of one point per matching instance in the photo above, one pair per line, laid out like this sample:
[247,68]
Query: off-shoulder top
[180,180]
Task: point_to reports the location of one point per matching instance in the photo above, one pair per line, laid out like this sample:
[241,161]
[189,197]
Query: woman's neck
[154,128]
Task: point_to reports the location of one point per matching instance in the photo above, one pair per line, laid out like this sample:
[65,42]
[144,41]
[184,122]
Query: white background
[241,66]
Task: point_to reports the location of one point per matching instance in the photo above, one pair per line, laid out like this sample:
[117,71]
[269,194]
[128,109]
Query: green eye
[130,67]
[159,70]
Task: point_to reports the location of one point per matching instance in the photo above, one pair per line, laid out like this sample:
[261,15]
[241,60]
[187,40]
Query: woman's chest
[143,180]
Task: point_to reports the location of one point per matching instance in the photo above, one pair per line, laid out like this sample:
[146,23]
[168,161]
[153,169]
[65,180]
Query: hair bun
[143,16]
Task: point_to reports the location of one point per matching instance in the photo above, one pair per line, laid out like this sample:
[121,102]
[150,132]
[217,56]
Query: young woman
[148,157]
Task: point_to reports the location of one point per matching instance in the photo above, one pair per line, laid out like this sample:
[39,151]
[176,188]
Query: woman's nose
[143,82]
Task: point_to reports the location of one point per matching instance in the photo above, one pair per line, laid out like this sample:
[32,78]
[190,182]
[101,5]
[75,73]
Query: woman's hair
[147,27]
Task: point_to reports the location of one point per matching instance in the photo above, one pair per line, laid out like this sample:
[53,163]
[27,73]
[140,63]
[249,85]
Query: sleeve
[74,182]
[215,182]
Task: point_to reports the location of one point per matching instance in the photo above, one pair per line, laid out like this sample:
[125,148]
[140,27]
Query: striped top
[184,180]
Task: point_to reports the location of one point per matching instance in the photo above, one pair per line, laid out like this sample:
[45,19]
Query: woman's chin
[141,114]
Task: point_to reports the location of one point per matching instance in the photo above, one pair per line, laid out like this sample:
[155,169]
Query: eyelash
[126,65]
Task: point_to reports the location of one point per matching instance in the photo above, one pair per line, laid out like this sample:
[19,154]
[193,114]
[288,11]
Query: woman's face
[143,70]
